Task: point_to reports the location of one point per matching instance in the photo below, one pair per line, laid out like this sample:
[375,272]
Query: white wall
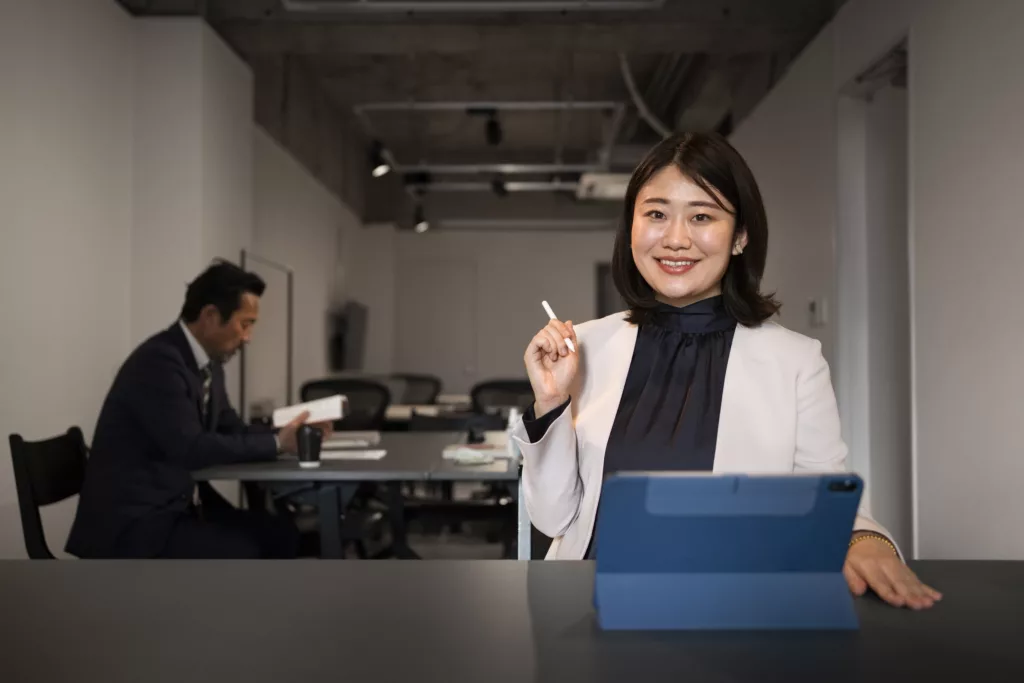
[167,239]
[965,94]
[514,276]
[367,274]
[789,141]
[123,171]
[66,217]
[888,311]
[298,222]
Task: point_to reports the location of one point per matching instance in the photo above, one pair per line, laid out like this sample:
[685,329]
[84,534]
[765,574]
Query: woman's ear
[739,243]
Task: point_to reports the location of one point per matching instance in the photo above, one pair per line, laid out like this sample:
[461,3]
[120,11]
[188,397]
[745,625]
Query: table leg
[399,534]
[329,507]
[523,524]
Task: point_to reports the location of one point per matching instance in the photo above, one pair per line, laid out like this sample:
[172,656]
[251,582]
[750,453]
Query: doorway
[873,373]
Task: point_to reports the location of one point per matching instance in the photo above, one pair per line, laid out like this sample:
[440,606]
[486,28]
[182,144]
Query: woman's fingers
[557,337]
[914,593]
[857,584]
[561,332]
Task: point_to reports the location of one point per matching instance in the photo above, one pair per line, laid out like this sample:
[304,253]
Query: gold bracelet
[877,536]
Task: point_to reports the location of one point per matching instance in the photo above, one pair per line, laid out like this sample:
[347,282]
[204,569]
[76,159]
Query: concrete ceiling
[699,65]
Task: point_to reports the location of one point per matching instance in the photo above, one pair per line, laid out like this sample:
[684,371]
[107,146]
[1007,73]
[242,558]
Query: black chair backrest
[46,472]
[367,401]
[458,422]
[420,390]
[493,395]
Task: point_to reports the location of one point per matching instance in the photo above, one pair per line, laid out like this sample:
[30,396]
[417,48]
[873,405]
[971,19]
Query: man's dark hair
[222,285]
[712,163]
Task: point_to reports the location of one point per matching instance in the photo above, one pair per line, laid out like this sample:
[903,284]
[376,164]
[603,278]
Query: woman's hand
[550,365]
[871,564]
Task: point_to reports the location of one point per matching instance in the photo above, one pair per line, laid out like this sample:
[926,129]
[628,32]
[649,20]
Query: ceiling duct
[602,186]
[466,6]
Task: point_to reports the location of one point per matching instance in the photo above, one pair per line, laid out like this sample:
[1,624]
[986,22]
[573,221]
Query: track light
[421,224]
[499,187]
[493,130]
[378,160]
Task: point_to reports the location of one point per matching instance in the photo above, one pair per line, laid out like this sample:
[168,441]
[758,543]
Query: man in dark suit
[166,415]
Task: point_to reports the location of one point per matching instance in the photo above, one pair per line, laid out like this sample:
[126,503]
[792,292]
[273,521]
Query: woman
[693,377]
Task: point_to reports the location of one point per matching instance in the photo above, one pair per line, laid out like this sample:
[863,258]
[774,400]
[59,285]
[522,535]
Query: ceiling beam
[312,39]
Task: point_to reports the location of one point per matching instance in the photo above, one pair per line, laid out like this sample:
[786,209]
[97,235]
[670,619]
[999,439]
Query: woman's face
[682,239]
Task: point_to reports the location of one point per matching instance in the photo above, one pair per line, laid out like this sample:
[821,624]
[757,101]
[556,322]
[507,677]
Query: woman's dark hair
[713,164]
[222,285]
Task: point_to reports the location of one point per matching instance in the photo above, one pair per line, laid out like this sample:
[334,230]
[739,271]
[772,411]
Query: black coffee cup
[309,439]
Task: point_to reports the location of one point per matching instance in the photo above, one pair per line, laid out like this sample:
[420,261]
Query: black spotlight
[419,219]
[379,165]
[493,130]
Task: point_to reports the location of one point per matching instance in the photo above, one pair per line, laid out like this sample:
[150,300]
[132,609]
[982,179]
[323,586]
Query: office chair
[420,390]
[494,395]
[46,472]
[367,401]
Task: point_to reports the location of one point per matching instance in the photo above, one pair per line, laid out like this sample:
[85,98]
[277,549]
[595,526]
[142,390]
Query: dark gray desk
[476,621]
[411,456]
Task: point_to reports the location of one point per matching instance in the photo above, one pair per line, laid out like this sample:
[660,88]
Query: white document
[473,454]
[351,440]
[321,410]
[350,454]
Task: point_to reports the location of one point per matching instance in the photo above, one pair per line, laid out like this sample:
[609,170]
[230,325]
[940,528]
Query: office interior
[427,178]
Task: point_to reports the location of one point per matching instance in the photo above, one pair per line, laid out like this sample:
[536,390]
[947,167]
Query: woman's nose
[677,236]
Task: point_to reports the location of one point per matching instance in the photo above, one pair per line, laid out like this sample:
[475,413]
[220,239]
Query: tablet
[709,551]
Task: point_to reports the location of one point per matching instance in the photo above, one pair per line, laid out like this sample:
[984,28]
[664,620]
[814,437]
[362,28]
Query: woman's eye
[701,218]
[655,214]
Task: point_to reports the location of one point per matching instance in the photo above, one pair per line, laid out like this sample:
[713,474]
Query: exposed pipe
[638,101]
[549,105]
[503,169]
[466,6]
[510,186]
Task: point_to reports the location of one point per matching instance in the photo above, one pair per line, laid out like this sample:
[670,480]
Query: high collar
[706,315]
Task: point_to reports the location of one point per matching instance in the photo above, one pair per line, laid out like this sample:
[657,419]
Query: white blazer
[778,415]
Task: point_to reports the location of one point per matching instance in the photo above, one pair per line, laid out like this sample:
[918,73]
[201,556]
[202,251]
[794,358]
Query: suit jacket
[778,415]
[149,438]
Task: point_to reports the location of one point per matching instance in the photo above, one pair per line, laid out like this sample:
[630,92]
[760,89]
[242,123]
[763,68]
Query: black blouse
[668,415]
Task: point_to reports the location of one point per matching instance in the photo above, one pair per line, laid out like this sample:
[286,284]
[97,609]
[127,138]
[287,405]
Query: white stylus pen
[551,316]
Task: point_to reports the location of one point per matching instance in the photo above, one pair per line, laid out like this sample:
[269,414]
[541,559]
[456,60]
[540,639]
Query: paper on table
[353,454]
[372,438]
[321,410]
[473,453]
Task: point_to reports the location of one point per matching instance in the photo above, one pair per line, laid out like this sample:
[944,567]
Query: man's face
[224,339]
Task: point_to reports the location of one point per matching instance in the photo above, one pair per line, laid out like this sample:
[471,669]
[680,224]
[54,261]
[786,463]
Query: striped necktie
[207,373]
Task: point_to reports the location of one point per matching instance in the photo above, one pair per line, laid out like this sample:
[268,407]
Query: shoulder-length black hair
[711,162]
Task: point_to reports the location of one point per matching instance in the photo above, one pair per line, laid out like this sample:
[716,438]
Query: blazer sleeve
[228,421]
[164,410]
[552,486]
[819,442]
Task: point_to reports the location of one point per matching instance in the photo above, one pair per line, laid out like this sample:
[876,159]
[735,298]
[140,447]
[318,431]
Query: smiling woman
[693,377]
[693,204]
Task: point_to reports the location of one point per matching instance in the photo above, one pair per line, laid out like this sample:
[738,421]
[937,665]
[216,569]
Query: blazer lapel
[755,415]
[195,379]
[610,368]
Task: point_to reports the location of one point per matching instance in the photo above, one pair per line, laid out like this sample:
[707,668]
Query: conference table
[473,621]
[410,457]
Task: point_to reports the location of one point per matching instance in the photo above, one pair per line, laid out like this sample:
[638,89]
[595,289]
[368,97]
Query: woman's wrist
[860,536]
[542,407]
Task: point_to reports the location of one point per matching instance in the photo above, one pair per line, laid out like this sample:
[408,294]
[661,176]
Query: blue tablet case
[699,551]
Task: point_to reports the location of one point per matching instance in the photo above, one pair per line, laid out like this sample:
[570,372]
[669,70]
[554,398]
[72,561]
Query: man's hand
[287,436]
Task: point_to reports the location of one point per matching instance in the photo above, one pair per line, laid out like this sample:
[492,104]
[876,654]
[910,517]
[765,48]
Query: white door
[436,321]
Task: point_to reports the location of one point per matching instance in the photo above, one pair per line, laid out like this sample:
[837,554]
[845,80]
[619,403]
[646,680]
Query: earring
[737,250]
